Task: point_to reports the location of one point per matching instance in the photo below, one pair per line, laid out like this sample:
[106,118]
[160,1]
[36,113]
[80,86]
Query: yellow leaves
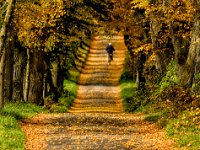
[140,4]
[180,10]
[151,58]
[35,21]
[145,48]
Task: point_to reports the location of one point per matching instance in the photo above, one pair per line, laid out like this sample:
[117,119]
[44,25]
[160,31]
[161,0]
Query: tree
[50,29]
[3,36]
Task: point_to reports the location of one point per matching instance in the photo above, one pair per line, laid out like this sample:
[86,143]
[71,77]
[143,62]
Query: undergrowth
[170,106]
[65,101]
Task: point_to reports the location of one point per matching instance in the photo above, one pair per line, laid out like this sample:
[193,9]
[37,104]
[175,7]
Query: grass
[128,88]
[71,87]
[185,129]
[11,135]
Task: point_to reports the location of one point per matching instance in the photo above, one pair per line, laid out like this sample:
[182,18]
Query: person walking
[110,49]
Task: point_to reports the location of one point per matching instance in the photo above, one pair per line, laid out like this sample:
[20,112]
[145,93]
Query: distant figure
[110,49]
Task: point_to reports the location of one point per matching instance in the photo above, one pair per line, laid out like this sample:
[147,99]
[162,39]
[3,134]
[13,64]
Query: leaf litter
[91,131]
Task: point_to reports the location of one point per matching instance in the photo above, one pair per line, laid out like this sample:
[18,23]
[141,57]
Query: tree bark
[19,65]
[3,36]
[9,46]
[154,28]
[186,78]
[3,32]
[45,86]
[52,89]
[37,70]
[27,77]
[2,68]
[60,80]
[140,82]
[54,72]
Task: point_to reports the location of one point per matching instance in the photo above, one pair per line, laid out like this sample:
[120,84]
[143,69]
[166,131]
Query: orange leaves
[93,131]
[177,99]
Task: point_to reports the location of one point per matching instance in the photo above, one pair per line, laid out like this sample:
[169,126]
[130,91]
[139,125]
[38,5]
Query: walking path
[96,120]
[99,89]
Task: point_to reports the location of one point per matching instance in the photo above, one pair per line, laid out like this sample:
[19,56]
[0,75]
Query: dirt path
[93,131]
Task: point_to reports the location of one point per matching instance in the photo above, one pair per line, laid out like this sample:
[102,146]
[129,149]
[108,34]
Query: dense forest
[40,44]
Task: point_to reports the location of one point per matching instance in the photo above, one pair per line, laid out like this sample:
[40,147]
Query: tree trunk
[57,75]
[27,77]
[140,82]
[60,80]
[3,32]
[137,80]
[2,68]
[52,88]
[187,75]
[37,69]
[45,85]
[181,48]
[54,72]
[131,66]
[9,46]
[19,65]
[3,36]
[154,28]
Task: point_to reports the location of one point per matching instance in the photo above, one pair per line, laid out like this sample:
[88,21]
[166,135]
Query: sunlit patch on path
[96,120]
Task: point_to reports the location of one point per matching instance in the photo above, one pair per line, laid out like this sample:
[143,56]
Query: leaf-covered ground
[92,131]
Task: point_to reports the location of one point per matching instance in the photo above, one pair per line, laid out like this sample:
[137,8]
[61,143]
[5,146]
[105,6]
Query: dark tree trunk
[52,89]
[131,65]
[60,80]
[132,69]
[55,78]
[140,82]
[8,79]
[19,65]
[37,69]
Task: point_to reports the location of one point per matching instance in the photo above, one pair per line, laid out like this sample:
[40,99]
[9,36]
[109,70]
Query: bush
[176,99]
[65,101]
[139,100]
[170,77]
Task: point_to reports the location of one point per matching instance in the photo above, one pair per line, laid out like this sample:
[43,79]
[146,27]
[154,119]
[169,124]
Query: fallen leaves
[93,131]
